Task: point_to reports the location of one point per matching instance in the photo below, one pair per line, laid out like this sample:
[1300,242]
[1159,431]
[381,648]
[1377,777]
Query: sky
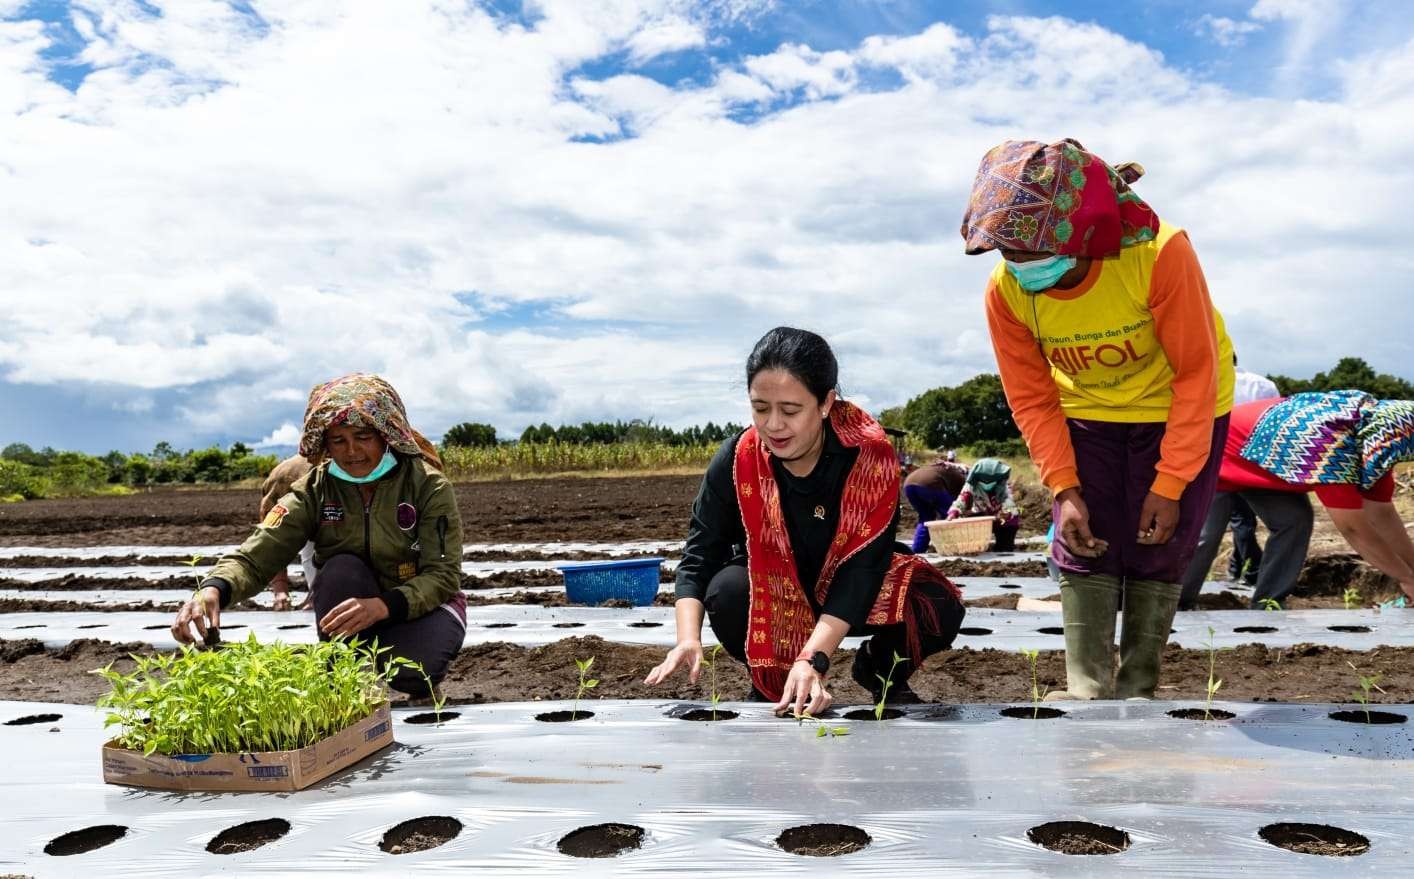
[569,210]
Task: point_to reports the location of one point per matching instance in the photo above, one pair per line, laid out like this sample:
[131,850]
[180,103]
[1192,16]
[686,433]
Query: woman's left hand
[804,683]
[353,616]
[1158,519]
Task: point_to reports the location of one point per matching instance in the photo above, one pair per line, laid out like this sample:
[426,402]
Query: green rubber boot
[1088,605]
[1149,606]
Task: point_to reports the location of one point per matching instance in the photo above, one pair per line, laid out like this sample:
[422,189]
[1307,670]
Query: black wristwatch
[818,661]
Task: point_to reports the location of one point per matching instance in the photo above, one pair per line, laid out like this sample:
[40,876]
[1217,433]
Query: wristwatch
[817,659]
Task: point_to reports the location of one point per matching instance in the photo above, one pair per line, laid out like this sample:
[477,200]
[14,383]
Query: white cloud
[1225,31]
[374,186]
[1308,23]
[285,435]
[670,35]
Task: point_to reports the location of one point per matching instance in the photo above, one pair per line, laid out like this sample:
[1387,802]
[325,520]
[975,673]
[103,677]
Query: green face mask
[387,463]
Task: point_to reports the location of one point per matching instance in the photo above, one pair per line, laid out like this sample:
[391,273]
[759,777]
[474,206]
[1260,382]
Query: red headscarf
[1055,199]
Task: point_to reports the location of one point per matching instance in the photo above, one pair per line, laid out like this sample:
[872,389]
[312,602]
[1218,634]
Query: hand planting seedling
[213,633]
[887,682]
[583,665]
[249,697]
[1213,682]
[1269,604]
[1367,683]
[821,728]
[1351,598]
[1036,694]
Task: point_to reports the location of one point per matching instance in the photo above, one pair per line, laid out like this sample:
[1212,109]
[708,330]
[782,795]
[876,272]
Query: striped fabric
[1333,438]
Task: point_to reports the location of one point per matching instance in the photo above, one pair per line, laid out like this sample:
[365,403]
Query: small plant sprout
[887,682]
[1350,598]
[1269,604]
[585,683]
[711,662]
[1036,695]
[1213,682]
[1367,683]
[821,728]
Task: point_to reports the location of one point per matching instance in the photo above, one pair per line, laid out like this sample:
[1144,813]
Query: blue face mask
[1040,274]
[388,463]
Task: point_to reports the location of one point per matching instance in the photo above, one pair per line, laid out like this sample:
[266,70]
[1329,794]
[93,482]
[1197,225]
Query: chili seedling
[1033,656]
[1269,604]
[1213,681]
[1350,598]
[711,662]
[1367,683]
[822,729]
[887,682]
[584,684]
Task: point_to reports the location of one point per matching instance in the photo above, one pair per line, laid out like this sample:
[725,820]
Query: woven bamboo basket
[961,536]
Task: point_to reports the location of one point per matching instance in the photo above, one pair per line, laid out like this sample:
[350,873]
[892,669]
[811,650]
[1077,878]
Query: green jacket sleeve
[275,542]
[439,533]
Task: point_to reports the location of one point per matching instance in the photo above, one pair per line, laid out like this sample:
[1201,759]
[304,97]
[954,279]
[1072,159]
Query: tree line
[477,435]
[28,473]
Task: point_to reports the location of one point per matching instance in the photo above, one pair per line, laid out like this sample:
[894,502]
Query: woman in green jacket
[386,532]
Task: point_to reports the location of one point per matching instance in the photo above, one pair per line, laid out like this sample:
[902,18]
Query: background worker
[1246,560]
[1339,445]
[930,490]
[1119,375]
[276,486]
[987,492]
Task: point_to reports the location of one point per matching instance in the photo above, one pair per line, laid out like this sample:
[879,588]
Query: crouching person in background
[276,486]
[386,532]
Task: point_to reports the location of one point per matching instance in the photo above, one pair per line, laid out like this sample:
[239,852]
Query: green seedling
[1036,695]
[1367,683]
[711,662]
[1350,598]
[584,684]
[821,728]
[887,682]
[249,697]
[1213,681]
[1269,604]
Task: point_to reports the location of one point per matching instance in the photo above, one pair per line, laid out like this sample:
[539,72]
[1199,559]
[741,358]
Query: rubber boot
[1149,606]
[1088,606]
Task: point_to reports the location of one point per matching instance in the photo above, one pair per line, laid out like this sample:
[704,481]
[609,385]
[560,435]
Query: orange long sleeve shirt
[1138,340]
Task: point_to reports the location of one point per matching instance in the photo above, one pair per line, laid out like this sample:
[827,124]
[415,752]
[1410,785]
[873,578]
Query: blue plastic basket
[633,580]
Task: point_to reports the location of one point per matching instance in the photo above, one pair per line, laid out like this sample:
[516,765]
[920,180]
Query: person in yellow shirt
[1118,372]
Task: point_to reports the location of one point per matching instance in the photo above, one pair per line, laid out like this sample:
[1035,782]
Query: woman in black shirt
[791,545]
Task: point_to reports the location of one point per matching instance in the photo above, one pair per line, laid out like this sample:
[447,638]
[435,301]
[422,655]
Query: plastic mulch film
[533,625]
[948,791]
[208,552]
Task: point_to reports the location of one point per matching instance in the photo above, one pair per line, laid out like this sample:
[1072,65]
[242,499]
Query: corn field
[520,459]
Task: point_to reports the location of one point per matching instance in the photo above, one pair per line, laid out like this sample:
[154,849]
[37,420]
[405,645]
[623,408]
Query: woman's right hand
[203,610]
[1073,526]
[685,652]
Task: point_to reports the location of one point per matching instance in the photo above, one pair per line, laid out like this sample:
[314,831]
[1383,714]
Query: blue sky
[568,210]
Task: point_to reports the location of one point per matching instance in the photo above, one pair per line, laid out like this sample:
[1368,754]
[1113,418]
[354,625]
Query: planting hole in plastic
[823,840]
[970,630]
[706,715]
[156,627]
[1315,839]
[568,625]
[420,834]
[601,840]
[33,718]
[644,624]
[1201,714]
[1009,586]
[563,716]
[1052,630]
[1255,630]
[1032,712]
[1354,630]
[40,626]
[76,842]
[233,626]
[1370,717]
[500,625]
[1079,838]
[868,714]
[248,836]
[432,717]
[92,626]
[293,626]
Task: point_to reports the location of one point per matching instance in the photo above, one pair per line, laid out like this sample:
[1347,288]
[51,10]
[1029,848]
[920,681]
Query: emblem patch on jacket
[275,516]
[407,570]
[331,513]
[407,516]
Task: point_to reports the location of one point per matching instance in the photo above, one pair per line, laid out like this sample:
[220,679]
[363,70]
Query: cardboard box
[266,771]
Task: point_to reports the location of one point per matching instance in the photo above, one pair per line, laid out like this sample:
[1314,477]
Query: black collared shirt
[811,506]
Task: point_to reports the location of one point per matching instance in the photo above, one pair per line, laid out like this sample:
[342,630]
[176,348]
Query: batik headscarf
[361,400]
[1055,199]
[989,475]
[1333,438]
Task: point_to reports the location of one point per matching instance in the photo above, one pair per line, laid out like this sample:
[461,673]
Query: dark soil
[500,672]
[1315,839]
[1032,712]
[420,834]
[601,840]
[248,836]
[1201,714]
[707,715]
[1333,574]
[1371,716]
[967,568]
[823,840]
[562,716]
[1079,838]
[76,842]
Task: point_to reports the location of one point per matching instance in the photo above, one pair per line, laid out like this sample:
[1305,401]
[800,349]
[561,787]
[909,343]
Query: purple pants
[930,503]
[1116,462]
